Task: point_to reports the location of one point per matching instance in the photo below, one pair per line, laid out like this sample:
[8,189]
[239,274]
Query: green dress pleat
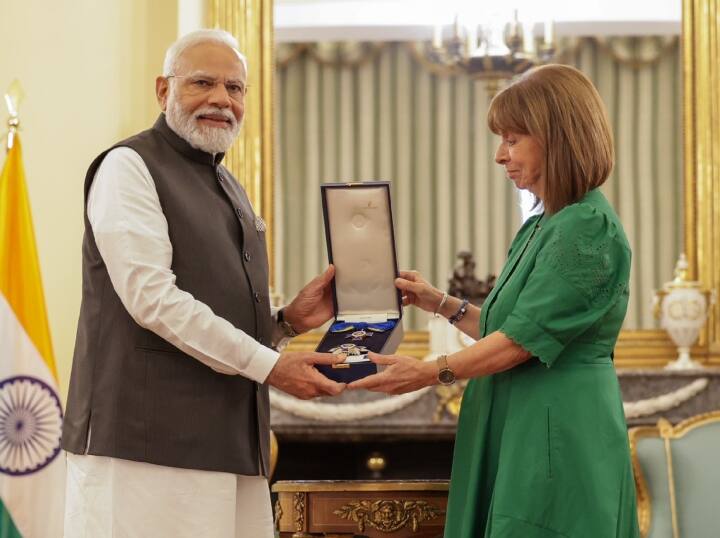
[542,449]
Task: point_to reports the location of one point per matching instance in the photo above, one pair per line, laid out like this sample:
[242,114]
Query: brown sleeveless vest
[132,394]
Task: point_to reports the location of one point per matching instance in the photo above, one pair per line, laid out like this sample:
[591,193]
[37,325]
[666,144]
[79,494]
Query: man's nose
[219,96]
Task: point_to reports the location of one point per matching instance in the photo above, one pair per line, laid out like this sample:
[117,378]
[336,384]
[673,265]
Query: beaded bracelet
[457,316]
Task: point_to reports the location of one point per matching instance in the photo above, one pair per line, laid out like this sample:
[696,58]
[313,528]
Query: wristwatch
[286,328]
[445,375]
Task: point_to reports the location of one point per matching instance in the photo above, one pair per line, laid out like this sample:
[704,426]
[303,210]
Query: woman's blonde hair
[561,109]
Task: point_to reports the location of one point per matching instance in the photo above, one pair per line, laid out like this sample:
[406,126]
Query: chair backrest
[677,475]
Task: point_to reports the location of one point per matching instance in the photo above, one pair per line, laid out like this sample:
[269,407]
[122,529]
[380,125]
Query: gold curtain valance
[341,54]
[635,52]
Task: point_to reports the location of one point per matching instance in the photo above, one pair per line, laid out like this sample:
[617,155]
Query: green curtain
[381,114]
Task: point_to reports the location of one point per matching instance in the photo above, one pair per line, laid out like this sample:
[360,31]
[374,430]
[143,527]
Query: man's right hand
[294,373]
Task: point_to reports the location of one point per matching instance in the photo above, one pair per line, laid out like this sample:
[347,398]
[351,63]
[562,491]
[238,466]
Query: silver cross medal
[349,349]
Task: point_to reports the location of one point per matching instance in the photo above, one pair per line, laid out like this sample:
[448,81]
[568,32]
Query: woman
[541,447]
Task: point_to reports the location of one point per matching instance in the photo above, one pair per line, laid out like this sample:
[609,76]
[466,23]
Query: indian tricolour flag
[32,473]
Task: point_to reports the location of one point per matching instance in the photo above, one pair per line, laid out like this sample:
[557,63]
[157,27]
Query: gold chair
[677,476]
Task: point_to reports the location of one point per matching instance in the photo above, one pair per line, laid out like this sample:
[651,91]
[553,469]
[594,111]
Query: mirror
[339,159]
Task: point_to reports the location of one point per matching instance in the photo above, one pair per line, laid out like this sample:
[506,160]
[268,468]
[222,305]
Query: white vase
[683,308]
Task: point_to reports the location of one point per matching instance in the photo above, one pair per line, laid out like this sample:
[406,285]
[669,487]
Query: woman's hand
[418,291]
[401,374]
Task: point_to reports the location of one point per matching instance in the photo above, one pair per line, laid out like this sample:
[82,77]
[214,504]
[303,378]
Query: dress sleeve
[580,272]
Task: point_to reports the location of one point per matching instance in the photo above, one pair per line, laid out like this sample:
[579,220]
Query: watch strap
[287,329]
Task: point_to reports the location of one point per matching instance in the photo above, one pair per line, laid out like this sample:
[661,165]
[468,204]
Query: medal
[349,349]
[359,335]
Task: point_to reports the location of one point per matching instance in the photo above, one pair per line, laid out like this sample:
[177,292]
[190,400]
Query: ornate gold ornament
[278,514]
[299,504]
[376,462]
[388,515]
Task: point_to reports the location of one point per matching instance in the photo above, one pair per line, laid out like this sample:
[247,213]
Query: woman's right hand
[418,291]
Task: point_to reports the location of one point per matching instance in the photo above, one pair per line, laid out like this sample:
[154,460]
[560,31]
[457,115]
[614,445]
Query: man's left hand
[313,305]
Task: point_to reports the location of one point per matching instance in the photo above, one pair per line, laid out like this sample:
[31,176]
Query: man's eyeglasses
[200,85]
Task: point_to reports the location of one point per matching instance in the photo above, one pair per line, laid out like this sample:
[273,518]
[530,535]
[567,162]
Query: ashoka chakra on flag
[30,425]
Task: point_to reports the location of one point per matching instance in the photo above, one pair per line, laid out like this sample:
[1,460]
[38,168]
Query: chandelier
[492,50]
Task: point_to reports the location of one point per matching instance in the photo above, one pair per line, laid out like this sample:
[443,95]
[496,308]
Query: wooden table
[383,508]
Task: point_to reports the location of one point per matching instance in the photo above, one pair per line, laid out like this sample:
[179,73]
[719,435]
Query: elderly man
[167,422]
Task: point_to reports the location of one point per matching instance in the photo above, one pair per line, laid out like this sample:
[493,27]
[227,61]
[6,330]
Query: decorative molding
[357,486]
[343,412]
[637,51]
[388,515]
[665,402]
[278,514]
[343,54]
[299,506]
[701,119]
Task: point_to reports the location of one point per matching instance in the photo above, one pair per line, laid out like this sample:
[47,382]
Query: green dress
[542,449]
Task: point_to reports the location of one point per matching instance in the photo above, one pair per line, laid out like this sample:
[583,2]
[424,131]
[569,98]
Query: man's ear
[162,87]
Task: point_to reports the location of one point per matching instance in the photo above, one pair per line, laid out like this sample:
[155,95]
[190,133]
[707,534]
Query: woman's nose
[501,155]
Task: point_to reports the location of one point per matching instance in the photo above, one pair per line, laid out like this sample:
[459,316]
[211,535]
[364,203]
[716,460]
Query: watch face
[446,376]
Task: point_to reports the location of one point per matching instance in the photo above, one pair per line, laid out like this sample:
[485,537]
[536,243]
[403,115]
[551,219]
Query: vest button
[239,213]
[247,256]
[257,297]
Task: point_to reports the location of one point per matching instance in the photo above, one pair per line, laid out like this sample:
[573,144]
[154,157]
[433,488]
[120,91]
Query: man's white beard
[203,137]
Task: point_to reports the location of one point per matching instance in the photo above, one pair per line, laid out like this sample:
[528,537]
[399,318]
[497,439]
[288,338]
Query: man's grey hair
[194,38]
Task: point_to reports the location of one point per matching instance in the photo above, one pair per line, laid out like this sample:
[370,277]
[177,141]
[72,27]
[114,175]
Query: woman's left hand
[401,374]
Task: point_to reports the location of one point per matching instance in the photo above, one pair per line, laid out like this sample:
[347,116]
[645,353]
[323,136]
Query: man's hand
[401,375]
[313,305]
[294,373]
